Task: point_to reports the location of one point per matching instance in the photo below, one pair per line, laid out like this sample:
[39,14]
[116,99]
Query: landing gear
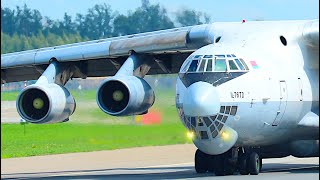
[218,164]
[254,163]
[201,162]
[242,165]
[249,162]
[228,163]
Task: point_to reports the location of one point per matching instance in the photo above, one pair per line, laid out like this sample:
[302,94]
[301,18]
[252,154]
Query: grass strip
[70,137]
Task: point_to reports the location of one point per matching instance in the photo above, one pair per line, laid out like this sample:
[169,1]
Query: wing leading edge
[108,53]
[165,41]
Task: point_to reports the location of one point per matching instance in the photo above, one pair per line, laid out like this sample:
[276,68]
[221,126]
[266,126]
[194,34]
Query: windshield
[214,63]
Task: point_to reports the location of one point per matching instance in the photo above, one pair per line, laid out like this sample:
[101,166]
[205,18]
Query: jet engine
[45,103]
[125,95]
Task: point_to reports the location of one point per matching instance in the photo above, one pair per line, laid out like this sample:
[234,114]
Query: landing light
[190,134]
[225,135]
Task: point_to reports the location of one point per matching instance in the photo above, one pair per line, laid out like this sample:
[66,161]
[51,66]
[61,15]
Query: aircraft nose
[201,99]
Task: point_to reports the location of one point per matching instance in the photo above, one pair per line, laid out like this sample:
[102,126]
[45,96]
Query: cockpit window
[239,64]
[193,66]
[207,56]
[220,56]
[209,65]
[214,63]
[245,65]
[232,65]
[201,68]
[220,65]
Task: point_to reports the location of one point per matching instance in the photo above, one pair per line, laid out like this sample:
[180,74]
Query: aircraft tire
[229,169]
[260,164]
[211,164]
[201,162]
[219,169]
[254,163]
[242,162]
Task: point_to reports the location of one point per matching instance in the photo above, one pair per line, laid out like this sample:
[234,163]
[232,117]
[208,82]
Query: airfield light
[117,95]
[190,134]
[38,103]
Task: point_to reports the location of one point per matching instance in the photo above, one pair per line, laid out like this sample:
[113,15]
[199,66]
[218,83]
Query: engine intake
[50,103]
[125,95]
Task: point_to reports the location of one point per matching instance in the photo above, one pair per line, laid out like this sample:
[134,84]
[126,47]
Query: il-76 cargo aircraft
[246,90]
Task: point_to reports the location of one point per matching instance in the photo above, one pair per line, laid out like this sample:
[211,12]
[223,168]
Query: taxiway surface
[158,162]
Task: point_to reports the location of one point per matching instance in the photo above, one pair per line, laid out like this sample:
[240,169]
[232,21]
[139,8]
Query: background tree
[7,21]
[24,28]
[188,17]
[27,22]
[97,23]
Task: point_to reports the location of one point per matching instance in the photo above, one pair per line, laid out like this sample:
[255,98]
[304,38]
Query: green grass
[9,96]
[69,137]
[89,129]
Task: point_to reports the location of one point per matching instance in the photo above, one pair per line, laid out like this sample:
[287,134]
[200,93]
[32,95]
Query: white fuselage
[273,95]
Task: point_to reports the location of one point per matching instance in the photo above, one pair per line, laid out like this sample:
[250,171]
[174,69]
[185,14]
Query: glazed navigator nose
[201,99]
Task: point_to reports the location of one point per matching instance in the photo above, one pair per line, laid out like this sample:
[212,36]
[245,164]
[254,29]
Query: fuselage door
[283,103]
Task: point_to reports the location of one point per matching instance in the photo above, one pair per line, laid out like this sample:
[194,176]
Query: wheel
[260,165]
[211,163]
[243,169]
[201,162]
[229,168]
[254,163]
[219,166]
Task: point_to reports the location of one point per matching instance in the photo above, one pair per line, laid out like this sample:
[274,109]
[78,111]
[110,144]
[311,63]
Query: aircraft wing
[104,57]
[310,120]
[309,44]
[310,33]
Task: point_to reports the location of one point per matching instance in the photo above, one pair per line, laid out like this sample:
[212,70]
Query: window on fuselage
[209,65]
[220,65]
[202,65]
[207,56]
[193,66]
[239,64]
[245,65]
[232,65]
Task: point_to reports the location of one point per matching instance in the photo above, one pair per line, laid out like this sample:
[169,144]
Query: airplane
[246,91]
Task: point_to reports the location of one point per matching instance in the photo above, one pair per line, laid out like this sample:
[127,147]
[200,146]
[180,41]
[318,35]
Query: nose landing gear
[228,163]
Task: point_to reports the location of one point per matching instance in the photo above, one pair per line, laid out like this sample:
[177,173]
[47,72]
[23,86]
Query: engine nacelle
[125,95]
[45,103]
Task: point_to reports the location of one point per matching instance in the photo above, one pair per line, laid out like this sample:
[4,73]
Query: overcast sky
[219,10]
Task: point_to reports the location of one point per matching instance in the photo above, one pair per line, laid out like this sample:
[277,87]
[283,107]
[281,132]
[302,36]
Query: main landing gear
[228,163]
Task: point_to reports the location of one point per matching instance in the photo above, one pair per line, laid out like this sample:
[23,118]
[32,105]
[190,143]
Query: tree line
[24,28]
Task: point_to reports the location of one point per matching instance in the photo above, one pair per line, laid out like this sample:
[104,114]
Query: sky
[219,10]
